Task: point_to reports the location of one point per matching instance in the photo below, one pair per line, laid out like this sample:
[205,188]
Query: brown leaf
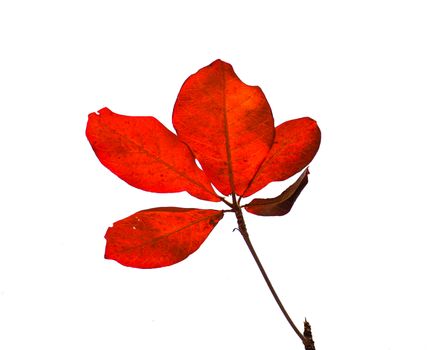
[282,204]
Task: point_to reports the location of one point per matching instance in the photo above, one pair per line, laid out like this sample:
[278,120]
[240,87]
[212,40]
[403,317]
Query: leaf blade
[283,203]
[159,237]
[296,143]
[145,154]
[226,123]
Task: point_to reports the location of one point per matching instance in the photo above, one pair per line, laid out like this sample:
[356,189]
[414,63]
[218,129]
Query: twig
[306,338]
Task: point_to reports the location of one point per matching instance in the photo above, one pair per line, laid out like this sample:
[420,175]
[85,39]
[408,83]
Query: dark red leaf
[226,123]
[145,154]
[295,145]
[281,204]
[159,237]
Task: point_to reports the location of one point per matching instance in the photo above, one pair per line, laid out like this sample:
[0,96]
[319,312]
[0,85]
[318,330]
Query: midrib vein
[227,135]
[168,234]
[140,149]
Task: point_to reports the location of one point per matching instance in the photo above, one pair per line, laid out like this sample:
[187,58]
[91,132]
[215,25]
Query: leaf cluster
[228,127]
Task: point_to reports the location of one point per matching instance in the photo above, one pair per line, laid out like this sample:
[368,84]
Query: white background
[351,255]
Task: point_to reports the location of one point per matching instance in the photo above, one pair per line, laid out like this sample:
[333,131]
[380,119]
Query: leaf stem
[227,202]
[307,341]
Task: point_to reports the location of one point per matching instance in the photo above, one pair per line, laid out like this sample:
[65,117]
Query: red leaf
[145,154]
[226,123]
[159,237]
[228,126]
[282,204]
[295,145]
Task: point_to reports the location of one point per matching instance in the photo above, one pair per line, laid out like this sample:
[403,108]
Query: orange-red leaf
[159,237]
[145,154]
[295,145]
[282,204]
[226,123]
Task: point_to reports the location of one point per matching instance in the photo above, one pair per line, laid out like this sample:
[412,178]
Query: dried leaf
[281,204]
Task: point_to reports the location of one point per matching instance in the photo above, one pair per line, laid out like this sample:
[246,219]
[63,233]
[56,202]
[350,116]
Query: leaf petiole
[227,202]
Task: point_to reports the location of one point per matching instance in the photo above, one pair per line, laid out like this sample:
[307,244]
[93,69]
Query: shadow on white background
[351,254]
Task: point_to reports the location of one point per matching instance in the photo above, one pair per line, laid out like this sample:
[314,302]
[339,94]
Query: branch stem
[308,342]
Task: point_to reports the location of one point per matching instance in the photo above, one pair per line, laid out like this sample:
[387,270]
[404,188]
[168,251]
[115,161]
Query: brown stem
[306,338]
[309,342]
